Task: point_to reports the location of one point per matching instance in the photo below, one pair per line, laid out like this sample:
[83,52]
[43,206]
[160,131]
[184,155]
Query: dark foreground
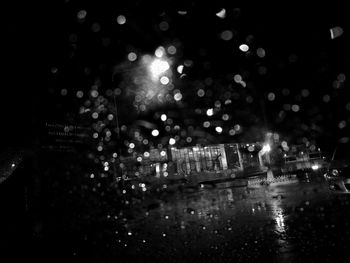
[300,220]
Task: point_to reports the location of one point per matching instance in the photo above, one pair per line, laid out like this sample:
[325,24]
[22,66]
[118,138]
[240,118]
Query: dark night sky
[300,54]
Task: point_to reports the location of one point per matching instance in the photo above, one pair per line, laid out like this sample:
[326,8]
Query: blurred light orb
[139,159]
[81,14]
[95,115]
[163,117]
[237,78]
[295,108]
[180,69]
[158,67]
[221,14]
[244,47]
[110,117]
[80,94]
[132,56]
[155,132]
[260,52]
[115,155]
[232,132]
[164,26]
[121,20]
[210,112]
[162,153]
[218,129]
[200,93]
[132,145]
[146,154]
[271,96]
[160,51]
[172,141]
[178,96]
[171,50]
[164,80]
[206,124]
[326,98]
[237,127]
[225,117]
[226,35]
[64,92]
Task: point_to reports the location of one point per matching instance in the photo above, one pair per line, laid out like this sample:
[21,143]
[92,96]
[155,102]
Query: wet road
[283,222]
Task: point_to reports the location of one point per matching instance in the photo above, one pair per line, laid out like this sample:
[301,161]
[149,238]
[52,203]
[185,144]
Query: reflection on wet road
[219,224]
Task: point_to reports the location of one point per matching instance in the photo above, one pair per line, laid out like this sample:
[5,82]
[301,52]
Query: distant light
[139,159]
[172,141]
[237,127]
[146,154]
[182,12]
[271,96]
[121,20]
[295,108]
[132,145]
[13,165]
[336,32]
[95,115]
[162,153]
[206,124]
[218,129]
[160,51]
[99,148]
[171,50]
[163,117]
[178,96]
[164,26]
[200,93]
[225,117]
[180,69]
[232,132]
[132,56]
[80,94]
[221,14]
[164,80]
[237,78]
[326,98]
[81,14]
[210,112]
[110,117]
[155,132]
[315,167]
[158,67]
[106,168]
[226,35]
[92,176]
[342,124]
[244,47]
[64,92]
[260,52]
[115,155]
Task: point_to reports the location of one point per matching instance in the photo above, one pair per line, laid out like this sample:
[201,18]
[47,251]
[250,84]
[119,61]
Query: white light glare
[172,141]
[158,67]
[221,13]
[155,133]
[315,167]
[266,148]
[163,117]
